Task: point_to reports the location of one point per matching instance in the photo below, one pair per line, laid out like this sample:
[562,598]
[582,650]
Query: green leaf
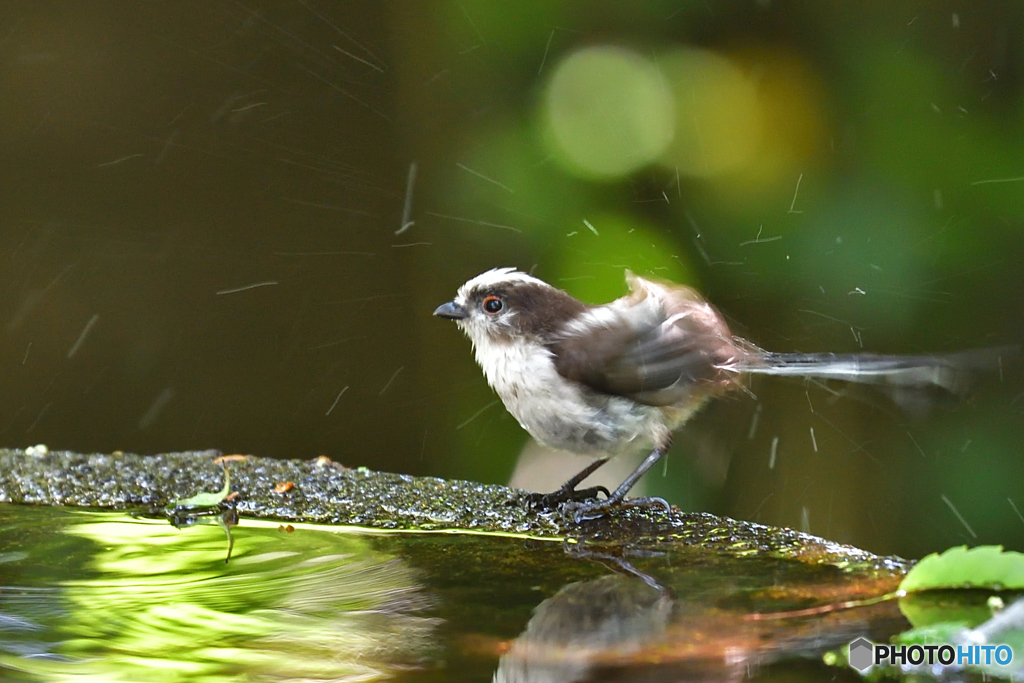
[986,566]
[207,499]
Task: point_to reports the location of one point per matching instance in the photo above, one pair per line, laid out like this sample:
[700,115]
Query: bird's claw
[567,492]
[566,495]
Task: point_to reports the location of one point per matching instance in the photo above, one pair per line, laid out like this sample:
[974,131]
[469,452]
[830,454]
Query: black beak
[452,311]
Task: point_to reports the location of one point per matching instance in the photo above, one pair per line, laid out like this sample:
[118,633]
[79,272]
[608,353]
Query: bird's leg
[592,509]
[567,491]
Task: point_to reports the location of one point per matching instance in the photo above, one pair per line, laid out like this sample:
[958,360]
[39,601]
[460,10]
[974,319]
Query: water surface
[104,596]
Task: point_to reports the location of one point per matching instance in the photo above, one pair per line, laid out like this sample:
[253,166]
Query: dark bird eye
[492,305]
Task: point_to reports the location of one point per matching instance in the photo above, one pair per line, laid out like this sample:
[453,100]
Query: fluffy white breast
[520,372]
[560,413]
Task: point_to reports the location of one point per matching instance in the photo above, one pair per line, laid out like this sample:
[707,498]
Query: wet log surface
[326,492]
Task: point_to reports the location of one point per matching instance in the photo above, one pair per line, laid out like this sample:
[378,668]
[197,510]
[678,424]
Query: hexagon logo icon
[861,654]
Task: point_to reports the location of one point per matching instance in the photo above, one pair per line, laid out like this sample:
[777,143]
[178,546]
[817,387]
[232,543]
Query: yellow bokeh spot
[606,112]
[718,124]
[791,98]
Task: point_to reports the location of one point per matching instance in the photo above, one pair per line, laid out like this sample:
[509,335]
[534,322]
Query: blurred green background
[226,224]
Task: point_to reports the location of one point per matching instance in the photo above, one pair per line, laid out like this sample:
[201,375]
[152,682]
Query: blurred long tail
[949,373]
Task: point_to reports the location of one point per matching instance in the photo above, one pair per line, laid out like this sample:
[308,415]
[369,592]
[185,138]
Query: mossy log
[326,492]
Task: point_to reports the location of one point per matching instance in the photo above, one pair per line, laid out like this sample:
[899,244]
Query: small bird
[621,377]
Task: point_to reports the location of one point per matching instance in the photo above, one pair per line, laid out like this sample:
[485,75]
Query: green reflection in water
[147,602]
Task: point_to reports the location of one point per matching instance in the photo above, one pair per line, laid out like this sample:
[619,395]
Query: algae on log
[325,492]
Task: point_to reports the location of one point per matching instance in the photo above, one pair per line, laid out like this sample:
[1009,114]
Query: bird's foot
[567,492]
[565,495]
[579,511]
